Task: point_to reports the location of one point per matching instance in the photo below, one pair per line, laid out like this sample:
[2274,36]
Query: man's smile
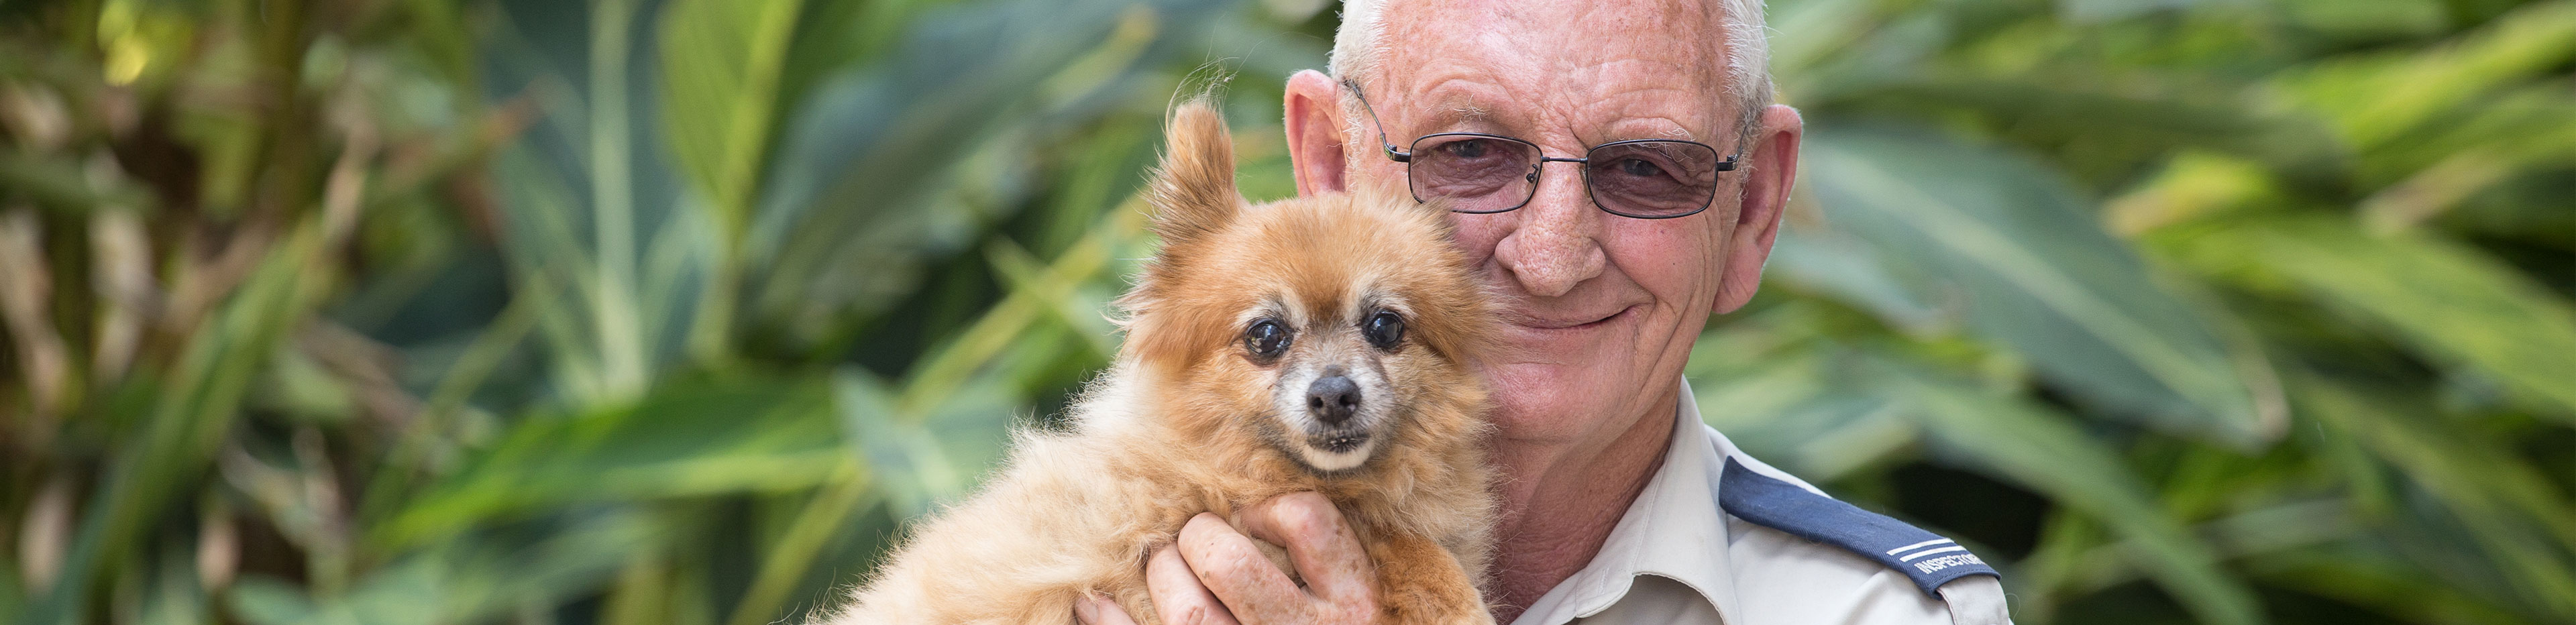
[1578,322]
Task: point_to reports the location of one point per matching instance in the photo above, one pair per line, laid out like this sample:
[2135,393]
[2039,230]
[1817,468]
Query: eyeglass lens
[1489,174]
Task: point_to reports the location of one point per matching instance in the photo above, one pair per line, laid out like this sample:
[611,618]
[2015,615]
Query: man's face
[1604,308]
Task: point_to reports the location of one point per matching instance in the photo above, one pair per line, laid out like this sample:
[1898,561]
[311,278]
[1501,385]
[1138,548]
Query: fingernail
[1087,609]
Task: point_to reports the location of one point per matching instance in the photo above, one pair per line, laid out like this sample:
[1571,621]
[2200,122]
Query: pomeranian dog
[1313,344]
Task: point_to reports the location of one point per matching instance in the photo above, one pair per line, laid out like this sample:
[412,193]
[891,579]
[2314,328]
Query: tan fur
[1184,420]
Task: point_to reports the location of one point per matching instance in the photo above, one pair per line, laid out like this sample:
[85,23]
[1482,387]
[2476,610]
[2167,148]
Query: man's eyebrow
[1452,110]
[1644,128]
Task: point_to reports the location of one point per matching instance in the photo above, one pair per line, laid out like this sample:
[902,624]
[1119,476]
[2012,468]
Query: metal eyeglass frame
[1401,156]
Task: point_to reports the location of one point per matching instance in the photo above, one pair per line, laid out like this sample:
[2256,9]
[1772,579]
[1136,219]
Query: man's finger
[1252,588]
[1324,549]
[1178,595]
[1097,609]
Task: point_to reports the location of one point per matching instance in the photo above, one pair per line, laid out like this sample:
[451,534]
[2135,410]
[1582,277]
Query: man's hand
[1216,576]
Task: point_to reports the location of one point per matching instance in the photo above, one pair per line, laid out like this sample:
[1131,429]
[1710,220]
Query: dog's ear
[1193,191]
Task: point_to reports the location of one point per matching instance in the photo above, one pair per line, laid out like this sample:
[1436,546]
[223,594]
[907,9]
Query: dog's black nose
[1333,399]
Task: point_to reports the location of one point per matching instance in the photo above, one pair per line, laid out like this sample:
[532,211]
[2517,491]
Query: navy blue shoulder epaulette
[1930,560]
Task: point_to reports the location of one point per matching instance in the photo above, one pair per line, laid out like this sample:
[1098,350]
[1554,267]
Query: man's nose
[1557,244]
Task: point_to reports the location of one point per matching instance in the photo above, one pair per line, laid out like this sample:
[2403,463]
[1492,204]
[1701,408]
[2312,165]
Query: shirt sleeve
[1976,600]
[1783,579]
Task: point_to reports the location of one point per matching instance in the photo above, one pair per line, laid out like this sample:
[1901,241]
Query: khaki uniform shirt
[1678,557]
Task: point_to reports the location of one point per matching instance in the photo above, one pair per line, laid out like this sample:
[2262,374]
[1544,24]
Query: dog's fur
[1191,418]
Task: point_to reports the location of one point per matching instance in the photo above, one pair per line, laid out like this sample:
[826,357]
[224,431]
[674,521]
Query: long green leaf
[722,66]
[1819,397]
[683,440]
[2031,269]
[614,309]
[2374,579]
[2375,99]
[473,578]
[720,78]
[2449,303]
[2032,446]
[866,154]
[2527,527]
[1780,387]
[191,416]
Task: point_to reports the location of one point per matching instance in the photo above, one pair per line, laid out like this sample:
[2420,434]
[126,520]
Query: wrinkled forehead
[1579,65]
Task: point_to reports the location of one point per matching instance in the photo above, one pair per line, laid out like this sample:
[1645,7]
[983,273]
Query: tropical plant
[2257,309]
[672,311]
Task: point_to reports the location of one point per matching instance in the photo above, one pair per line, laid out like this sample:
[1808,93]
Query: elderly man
[1618,170]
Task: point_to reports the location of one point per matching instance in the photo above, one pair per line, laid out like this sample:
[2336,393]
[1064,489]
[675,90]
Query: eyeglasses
[1488,173]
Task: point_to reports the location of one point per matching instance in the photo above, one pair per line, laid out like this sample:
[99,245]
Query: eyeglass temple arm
[1391,153]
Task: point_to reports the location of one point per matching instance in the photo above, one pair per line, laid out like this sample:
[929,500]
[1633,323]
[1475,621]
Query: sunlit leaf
[2375,98]
[2181,114]
[2453,305]
[2034,271]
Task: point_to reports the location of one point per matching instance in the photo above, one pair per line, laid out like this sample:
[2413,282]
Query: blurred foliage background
[670,311]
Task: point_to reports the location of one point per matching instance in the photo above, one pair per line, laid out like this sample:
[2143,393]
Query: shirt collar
[1674,530]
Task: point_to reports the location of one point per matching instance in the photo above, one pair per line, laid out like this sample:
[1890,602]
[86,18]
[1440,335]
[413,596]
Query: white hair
[1361,41]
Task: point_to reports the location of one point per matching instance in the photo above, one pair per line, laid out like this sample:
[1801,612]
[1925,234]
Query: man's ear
[1193,192]
[1314,122]
[1771,168]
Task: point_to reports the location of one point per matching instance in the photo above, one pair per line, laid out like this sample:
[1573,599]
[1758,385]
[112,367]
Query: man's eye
[1471,148]
[1266,339]
[1383,329]
[1639,167]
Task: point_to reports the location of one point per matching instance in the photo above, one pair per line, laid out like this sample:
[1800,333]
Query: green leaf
[2368,20]
[2394,587]
[2511,508]
[2452,304]
[1780,388]
[722,72]
[472,578]
[2183,113]
[2376,98]
[191,416]
[1825,401]
[721,62]
[264,600]
[2030,268]
[2043,451]
[857,193]
[13,592]
[2108,10]
[594,207]
[682,440]
[907,459]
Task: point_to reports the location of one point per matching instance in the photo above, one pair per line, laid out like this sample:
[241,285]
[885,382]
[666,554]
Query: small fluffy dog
[1313,344]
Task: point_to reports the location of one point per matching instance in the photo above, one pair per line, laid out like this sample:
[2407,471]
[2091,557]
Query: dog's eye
[1266,338]
[1383,329]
